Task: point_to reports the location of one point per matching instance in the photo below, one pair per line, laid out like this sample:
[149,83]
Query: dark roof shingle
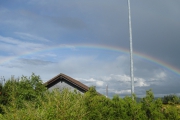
[69,79]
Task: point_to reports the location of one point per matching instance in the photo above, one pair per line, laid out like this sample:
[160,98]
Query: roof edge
[69,79]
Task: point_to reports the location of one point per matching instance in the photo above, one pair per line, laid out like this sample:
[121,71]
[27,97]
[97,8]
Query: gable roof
[66,78]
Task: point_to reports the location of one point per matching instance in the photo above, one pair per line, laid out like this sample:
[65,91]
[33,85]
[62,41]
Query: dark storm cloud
[155,25]
[97,18]
[156,29]
[68,22]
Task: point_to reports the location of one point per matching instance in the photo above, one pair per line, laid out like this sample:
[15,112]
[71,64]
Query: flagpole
[131,51]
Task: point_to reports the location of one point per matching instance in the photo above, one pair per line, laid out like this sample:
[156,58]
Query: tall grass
[52,106]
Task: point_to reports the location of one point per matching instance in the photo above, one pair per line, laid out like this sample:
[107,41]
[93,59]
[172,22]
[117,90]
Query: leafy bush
[15,92]
[28,99]
[171,99]
[152,107]
[53,106]
[171,113]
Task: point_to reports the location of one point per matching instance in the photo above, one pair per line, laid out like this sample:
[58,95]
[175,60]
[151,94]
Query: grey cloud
[155,28]
[17,47]
[35,62]
[27,36]
[69,22]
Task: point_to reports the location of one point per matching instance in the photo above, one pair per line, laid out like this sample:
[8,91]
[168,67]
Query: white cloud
[10,40]
[27,36]
[99,83]
[140,82]
[92,81]
[161,75]
[15,46]
[89,80]
[120,92]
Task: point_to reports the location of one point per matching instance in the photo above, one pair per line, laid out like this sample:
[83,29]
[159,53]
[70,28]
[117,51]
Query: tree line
[28,99]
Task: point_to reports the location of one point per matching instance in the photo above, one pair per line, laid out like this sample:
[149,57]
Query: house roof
[67,78]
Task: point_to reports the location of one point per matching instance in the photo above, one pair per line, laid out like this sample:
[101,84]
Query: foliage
[54,106]
[97,106]
[171,112]
[28,99]
[15,92]
[152,107]
[171,99]
[133,109]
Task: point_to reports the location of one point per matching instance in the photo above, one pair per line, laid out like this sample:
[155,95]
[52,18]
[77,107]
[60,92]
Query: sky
[88,40]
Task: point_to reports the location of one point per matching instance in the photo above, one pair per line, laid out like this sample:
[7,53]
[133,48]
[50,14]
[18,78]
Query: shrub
[152,107]
[54,106]
[170,99]
[28,99]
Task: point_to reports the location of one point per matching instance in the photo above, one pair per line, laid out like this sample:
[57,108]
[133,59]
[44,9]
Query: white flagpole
[131,51]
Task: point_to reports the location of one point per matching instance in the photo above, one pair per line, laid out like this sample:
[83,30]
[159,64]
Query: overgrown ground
[28,99]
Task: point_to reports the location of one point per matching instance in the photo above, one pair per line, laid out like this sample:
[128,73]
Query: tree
[152,107]
[14,92]
[170,99]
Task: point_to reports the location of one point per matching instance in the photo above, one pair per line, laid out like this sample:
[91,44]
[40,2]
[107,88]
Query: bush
[170,99]
[152,107]
[15,92]
[28,99]
[171,113]
[54,106]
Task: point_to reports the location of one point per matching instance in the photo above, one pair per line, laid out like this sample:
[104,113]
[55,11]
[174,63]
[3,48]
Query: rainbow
[94,46]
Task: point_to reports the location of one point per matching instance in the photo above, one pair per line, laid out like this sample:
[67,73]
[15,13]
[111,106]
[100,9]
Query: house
[62,81]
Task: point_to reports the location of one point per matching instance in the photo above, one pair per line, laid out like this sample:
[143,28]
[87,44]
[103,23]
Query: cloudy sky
[89,41]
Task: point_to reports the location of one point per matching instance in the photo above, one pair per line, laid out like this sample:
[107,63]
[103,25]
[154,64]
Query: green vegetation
[28,99]
[171,99]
